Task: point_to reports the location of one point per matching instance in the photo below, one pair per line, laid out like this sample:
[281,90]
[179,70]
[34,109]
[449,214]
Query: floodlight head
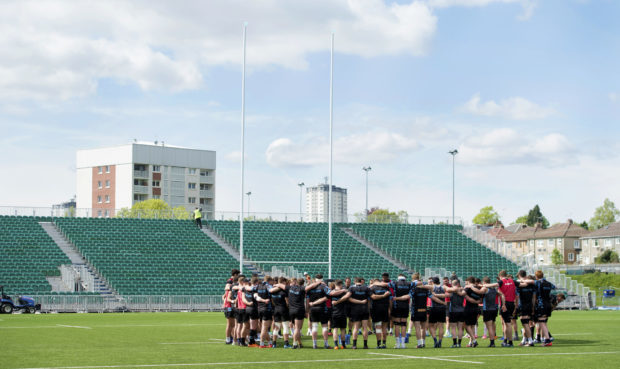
[367,168]
[301,184]
[453,152]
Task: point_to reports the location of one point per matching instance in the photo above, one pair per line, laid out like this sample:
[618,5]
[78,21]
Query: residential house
[596,242]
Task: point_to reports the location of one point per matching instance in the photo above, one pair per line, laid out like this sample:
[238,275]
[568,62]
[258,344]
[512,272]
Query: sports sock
[355,342]
[460,340]
[378,342]
[454,341]
[365,343]
[314,342]
[326,342]
[409,331]
[286,343]
[384,341]
[435,339]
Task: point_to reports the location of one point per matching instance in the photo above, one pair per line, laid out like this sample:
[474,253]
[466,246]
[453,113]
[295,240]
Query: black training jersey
[434,304]
[249,296]
[401,288]
[279,300]
[359,293]
[489,302]
[317,293]
[419,296]
[525,296]
[456,303]
[476,296]
[339,310]
[381,304]
[543,293]
[296,297]
[262,291]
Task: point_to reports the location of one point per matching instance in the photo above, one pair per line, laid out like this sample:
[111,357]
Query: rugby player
[251,309]
[281,316]
[506,286]
[360,294]
[296,307]
[437,312]
[457,311]
[380,295]
[339,297]
[400,308]
[265,310]
[419,294]
[490,308]
[526,302]
[317,296]
[543,305]
[473,297]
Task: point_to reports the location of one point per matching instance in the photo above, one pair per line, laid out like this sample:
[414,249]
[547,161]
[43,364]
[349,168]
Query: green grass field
[583,339]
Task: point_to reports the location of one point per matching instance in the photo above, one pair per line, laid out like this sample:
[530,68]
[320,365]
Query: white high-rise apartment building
[117,177]
[317,198]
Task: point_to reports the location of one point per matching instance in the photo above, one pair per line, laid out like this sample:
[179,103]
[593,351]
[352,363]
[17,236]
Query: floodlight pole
[367,169]
[331,154]
[301,214]
[245,25]
[453,153]
[249,193]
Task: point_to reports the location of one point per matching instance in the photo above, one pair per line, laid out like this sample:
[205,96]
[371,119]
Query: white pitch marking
[216,364]
[537,354]
[190,343]
[426,358]
[572,334]
[216,339]
[72,326]
[119,326]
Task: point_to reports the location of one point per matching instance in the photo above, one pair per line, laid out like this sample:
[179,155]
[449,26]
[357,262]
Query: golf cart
[7,306]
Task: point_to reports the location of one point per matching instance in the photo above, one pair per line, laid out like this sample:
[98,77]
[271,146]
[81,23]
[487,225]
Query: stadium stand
[27,256]
[151,256]
[304,242]
[421,246]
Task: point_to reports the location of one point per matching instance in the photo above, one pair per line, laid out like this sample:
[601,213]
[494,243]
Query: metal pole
[248,193]
[245,25]
[366,169]
[453,153]
[331,153]
[301,213]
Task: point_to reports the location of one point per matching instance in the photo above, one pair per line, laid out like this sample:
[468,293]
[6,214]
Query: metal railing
[134,303]
[221,215]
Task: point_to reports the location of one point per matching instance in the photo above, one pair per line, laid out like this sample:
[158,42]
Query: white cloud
[614,97]
[517,108]
[61,49]
[527,5]
[363,148]
[506,146]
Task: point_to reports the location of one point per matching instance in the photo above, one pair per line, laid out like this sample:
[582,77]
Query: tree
[556,257]
[153,209]
[377,215]
[535,216]
[604,215]
[486,216]
[584,225]
[608,256]
[521,220]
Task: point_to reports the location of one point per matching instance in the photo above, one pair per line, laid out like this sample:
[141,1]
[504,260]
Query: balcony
[207,193]
[140,174]
[142,190]
[207,179]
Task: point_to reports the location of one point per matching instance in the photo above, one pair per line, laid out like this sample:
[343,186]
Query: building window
[540,243]
[576,244]
[156,168]
[191,200]
[192,171]
[595,243]
[99,213]
[99,184]
[155,183]
[559,242]
[107,169]
[107,184]
[156,197]
[100,170]
[191,186]
[140,182]
[205,173]
[107,213]
[532,243]
[608,242]
[550,242]
[107,199]
[571,256]
[99,199]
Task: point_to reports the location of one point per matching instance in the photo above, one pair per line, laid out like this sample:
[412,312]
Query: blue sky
[527,90]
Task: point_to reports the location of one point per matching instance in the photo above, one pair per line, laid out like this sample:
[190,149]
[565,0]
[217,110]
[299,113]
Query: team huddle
[258,312]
